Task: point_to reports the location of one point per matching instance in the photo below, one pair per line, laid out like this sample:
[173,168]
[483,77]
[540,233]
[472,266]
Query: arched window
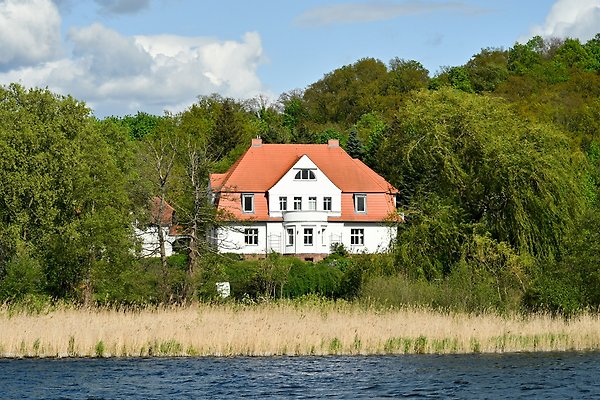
[305,174]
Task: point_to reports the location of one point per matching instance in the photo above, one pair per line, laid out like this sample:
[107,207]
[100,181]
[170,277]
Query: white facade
[306,237]
[149,241]
[303,207]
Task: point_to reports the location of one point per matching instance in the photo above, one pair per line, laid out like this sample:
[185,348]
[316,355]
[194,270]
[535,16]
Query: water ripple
[549,375]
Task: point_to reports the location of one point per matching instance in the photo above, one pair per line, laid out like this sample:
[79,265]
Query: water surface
[536,375]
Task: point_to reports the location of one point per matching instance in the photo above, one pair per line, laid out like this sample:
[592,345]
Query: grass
[283,328]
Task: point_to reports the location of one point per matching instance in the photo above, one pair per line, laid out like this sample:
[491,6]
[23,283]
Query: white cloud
[117,74]
[29,32]
[107,54]
[376,11]
[571,18]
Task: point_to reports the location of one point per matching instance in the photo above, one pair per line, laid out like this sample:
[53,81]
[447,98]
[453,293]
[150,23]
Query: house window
[308,236]
[323,242]
[298,203]
[360,203]
[305,174]
[290,237]
[283,203]
[326,203]
[312,203]
[248,202]
[357,237]
[251,236]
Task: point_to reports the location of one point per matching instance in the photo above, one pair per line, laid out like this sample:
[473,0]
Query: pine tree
[354,147]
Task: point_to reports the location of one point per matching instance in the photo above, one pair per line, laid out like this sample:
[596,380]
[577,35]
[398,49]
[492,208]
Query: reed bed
[283,329]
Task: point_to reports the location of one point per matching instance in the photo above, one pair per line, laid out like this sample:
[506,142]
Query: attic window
[305,174]
[248,202]
[360,203]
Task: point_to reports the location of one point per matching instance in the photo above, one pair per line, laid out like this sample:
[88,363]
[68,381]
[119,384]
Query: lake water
[538,375]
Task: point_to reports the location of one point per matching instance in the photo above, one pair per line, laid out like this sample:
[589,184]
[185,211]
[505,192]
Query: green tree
[63,189]
[227,130]
[353,146]
[488,69]
[407,75]
[140,124]
[517,181]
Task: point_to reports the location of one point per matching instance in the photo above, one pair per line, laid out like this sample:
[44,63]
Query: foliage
[68,209]
[517,180]
[354,147]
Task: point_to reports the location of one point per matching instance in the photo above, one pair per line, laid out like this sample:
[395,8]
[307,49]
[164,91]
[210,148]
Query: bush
[23,276]
[276,276]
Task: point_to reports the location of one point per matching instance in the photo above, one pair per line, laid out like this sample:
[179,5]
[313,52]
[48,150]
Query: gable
[289,183]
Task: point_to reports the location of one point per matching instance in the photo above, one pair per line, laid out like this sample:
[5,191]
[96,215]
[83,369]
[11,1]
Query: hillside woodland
[497,161]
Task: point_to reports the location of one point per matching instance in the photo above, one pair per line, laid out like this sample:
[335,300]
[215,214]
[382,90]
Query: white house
[147,234]
[300,199]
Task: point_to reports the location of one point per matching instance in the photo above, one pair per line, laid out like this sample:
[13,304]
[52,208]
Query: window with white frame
[312,203]
[360,203]
[305,174]
[282,203]
[290,236]
[251,236]
[297,203]
[357,237]
[308,236]
[248,202]
[326,203]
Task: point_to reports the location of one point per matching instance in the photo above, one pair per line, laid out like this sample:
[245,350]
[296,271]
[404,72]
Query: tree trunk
[161,247]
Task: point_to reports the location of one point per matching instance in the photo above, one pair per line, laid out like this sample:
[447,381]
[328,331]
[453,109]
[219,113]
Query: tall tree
[354,147]
[160,150]
[498,174]
[68,210]
[227,130]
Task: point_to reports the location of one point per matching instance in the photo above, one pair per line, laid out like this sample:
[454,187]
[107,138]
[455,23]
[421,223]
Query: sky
[125,56]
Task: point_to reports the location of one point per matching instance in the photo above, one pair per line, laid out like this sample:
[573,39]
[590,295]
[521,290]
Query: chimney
[333,143]
[257,142]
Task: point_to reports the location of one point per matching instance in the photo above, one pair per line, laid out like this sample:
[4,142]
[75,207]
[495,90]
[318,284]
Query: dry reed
[283,329]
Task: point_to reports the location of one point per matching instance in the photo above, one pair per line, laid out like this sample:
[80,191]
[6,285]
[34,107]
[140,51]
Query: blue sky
[124,56]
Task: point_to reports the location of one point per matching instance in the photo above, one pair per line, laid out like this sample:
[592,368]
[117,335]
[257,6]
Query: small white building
[147,234]
[300,199]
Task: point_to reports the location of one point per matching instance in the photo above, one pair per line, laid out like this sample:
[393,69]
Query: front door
[290,240]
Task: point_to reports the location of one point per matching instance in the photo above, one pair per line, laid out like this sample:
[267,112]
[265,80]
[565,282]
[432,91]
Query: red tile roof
[166,218]
[262,166]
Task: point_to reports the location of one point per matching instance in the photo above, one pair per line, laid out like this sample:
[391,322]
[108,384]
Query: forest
[497,162]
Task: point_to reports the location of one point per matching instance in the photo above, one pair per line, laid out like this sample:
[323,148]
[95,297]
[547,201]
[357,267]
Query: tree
[139,125]
[354,147]
[488,69]
[517,181]
[227,130]
[69,211]
[159,150]
[522,58]
[345,94]
[407,75]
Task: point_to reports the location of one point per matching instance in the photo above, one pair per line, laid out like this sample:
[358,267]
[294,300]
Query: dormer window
[305,174]
[360,203]
[248,202]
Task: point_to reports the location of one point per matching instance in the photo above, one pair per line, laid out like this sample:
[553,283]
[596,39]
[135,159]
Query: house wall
[273,237]
[149,241]
[377,237]
[231,239]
